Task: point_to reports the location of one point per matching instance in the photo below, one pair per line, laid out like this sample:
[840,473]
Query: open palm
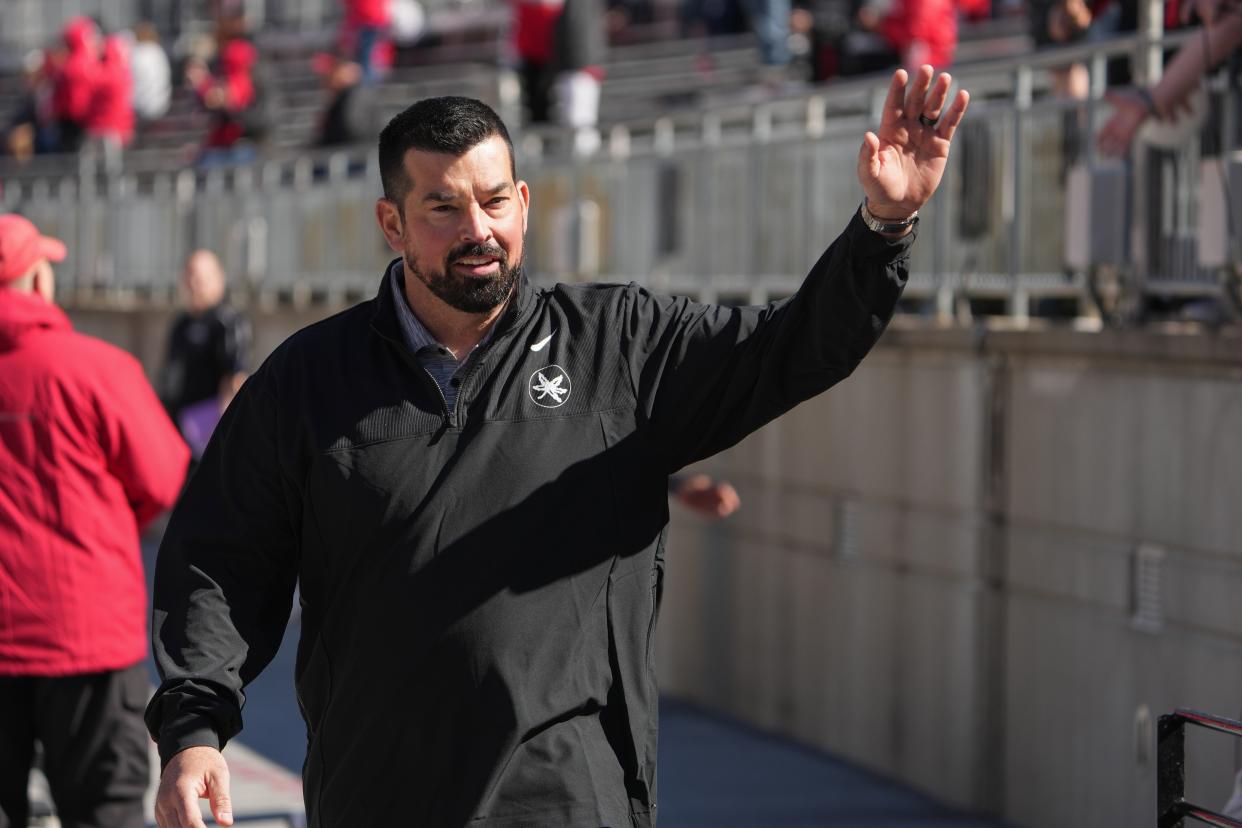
[901,164]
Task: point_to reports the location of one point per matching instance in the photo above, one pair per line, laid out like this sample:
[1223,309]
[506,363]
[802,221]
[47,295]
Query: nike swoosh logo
[539,346]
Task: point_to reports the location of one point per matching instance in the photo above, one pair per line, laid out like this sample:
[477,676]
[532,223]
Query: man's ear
[45,281]
[524,195]
[391,224]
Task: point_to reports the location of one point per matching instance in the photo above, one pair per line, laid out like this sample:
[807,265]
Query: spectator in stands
[87,458]
[32,128]
[75,79]
[704,495]
[917,32]
[353,113]
[712,18]
[238,103]
[208,352]
[1220,35]
[110,119]
[152,75]
[366,28]
[579,46]
[821,27]
[769,19]
[533,40]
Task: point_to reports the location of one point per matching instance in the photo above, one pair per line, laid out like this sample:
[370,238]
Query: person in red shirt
[921,32]
[75,80]
[111,115]
[363,34]
[533,36]
[87,458]
[232,96]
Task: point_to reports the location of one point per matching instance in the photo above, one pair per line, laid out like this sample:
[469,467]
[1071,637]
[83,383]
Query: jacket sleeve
[224,578]
[142,447]
[706,376]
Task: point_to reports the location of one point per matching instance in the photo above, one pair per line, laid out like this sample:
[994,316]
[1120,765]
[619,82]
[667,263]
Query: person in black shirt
[466,478]
[208,349]
[352,114]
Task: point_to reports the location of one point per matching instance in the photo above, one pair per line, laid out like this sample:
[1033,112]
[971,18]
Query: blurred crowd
[103,91]
[88,88]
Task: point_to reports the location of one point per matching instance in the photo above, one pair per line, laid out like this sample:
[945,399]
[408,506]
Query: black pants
[94,746]
[538,80]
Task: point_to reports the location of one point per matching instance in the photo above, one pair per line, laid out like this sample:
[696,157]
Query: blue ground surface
[714,773]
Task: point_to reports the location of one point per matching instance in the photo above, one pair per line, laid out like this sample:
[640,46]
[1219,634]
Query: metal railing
[32,24]
[731,201]
[1172,807]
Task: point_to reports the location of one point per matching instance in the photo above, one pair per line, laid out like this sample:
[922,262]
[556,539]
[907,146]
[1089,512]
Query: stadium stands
[1004,238]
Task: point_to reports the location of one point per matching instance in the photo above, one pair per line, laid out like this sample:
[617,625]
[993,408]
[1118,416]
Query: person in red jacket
[234,99]
[75,80]
[111,116]
[87,458]
[921,32]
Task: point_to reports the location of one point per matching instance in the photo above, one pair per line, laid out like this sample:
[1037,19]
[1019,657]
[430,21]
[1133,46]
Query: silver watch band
[880,225]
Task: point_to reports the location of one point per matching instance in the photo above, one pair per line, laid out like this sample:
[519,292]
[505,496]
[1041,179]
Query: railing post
[1170,771]
[1022,94]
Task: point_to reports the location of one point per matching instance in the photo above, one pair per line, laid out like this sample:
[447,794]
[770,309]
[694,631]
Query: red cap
[21,245]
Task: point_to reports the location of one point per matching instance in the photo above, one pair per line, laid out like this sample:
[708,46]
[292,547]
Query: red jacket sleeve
[143,449]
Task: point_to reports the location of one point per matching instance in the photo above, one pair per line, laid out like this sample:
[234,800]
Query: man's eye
[443,208]
[498,201]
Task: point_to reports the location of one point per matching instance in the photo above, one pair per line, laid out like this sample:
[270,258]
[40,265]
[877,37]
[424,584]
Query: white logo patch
[549,387]
[538,346]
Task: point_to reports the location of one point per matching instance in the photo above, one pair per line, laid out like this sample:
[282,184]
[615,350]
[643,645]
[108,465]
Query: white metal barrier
[729,202]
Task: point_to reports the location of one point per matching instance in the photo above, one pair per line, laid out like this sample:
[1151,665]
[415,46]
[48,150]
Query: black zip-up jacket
[479,586]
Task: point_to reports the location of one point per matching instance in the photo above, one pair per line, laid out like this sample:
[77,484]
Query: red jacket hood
[80,33]
[21,313]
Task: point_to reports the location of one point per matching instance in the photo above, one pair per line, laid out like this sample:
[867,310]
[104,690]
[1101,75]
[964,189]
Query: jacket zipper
[448,415]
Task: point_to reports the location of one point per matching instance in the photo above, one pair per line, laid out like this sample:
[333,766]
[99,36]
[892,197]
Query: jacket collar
[24,312]
[384,317]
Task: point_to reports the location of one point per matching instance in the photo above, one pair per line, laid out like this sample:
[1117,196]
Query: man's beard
[469,294]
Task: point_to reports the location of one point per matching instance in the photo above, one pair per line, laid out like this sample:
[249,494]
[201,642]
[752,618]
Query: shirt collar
[413,331]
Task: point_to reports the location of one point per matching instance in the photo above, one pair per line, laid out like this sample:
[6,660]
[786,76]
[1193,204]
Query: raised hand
[901,164]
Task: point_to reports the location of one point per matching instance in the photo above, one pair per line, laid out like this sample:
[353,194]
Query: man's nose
[476,226]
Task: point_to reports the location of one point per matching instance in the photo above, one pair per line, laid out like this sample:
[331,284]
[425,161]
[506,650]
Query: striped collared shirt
[438,360]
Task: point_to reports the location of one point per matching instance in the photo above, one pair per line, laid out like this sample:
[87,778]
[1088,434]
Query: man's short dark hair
[451,125]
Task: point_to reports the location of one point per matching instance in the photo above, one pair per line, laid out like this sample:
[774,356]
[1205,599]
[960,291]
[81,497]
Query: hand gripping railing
[1171,805]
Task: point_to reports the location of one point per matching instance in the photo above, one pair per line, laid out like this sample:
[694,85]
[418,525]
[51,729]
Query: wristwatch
[880,225]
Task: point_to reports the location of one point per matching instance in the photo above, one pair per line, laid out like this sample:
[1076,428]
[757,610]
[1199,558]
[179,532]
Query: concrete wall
[933,573]
[934,570]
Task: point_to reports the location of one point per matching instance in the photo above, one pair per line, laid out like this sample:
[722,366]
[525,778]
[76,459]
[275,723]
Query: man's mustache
[475,251]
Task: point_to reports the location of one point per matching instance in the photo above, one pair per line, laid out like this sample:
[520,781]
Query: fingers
[193,774]
[953,116]
[933,104]
[893,103]
[910,97]
[916,91]
[177,807]
[869,155]
[218,795]
[727,500]
[1115,137]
